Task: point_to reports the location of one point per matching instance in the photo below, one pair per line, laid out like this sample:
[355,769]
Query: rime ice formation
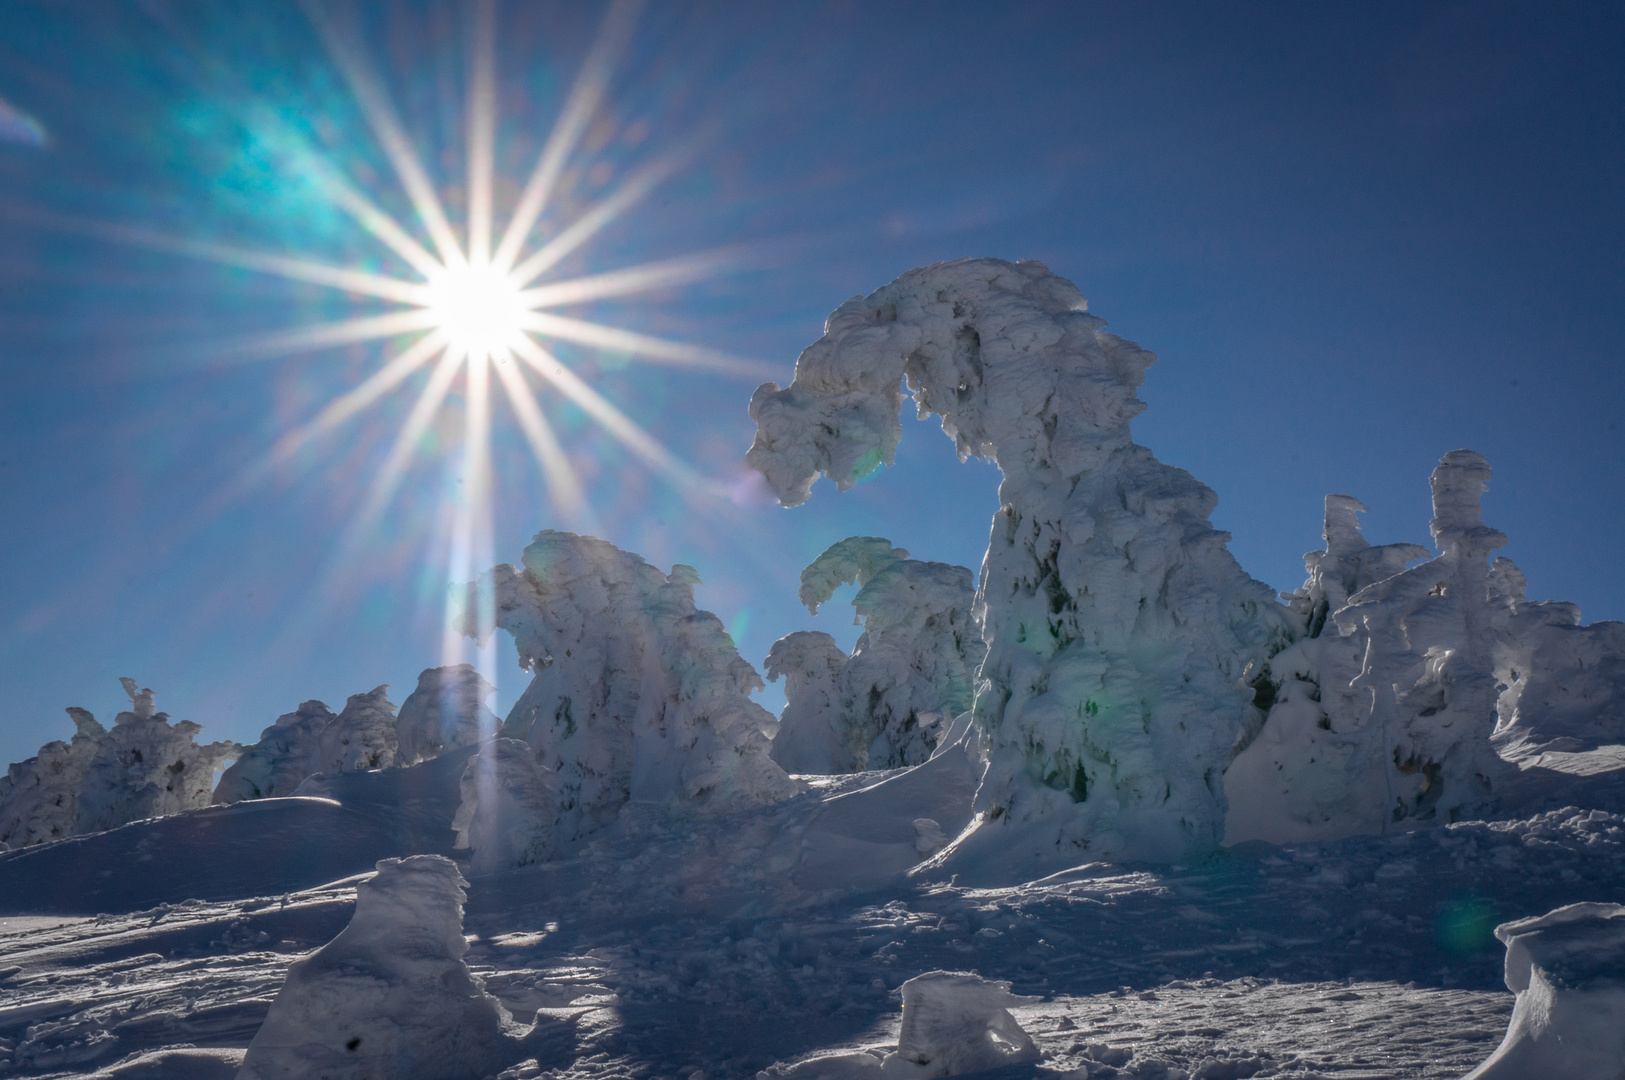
[1120,630]
[1388,715]
[510,801]
[812,737]
[637,694]
[447,709]
[954,1023]
[390,998]
[913,667]
[312,740]
[144,767]
[1568,969]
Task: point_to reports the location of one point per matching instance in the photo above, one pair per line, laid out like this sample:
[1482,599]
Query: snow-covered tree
[911,672]
[145,766]
[446,710]
[312,740]
[637,694]
[510,802]
[1120,630]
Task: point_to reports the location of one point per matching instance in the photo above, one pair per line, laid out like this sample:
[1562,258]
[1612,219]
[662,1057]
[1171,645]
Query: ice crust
[1568,969]
[1121,632]
[637,695]
[1390,713]
[390,997]
[912,670]
[144,767]
[447,709]
[311,740]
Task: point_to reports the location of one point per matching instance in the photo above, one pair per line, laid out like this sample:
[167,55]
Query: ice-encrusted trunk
[1121,632]
[637,694]
[446,710]
[913,667]
[143,767]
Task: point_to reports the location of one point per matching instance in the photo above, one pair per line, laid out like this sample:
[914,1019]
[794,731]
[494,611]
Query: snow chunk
[637,694]
[1569,1019]
[391,997]
[911,672]
[310,741]
[144,767]
[447,709]
[509,803]
[1120,630]
[954,1023]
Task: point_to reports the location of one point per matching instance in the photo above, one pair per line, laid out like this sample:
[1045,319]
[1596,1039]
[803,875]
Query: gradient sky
[1356,237]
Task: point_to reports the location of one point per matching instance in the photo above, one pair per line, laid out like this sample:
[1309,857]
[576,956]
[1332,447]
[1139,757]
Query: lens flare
[477,310]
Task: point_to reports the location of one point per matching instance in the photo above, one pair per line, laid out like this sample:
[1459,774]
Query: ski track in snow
[1369,957]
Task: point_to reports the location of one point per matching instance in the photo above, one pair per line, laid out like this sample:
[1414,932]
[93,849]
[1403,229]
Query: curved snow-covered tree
[1121,632]
[446,710]
[637,694]
[911,672]
[312,740]
[143,767]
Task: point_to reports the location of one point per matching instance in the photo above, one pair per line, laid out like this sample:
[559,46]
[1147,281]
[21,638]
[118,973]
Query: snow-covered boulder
[510,801]
[390,998]
[311,740]
[446,710]
[954,1023]
[1568,969]
[637,694]
[144,767]
[812,736]
[1121,633]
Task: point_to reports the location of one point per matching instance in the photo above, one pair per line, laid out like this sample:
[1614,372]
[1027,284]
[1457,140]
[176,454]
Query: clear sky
[1357,237]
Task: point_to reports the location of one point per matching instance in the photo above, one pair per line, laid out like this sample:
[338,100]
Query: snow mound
[144,767]
[912,670]
[954,1023]
[391,997]
[510,800]
[1568,969]
[637,694]
[1121,633]
[311,740]
[446,710]
[1389,713]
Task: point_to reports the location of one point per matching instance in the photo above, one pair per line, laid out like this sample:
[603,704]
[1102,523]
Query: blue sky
[1356,237]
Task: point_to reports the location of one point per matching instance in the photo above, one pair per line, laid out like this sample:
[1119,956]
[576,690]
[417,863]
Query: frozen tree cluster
[1389,712]
[636,694]
[1121,633]
[446,710]
[312,740]
[911,672]
[391,996]
[144,766]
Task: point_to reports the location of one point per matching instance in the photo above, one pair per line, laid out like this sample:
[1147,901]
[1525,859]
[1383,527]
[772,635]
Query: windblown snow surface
[839,925]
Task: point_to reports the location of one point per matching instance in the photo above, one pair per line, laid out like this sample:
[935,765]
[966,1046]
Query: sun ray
[326,335]
[364,394]
[659,350]
[606,414]
[369,216]
[585,96]
[624,282]
[382,488]
[471,520]
[370,94]
[589,224]
[563,486]
[482,118]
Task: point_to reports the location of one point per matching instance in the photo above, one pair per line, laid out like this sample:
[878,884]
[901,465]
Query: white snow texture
[637,695]
[1388,714]
[910,673]
[1121,632]
[144,767]
[1568,969]
[389,997]
[311,740]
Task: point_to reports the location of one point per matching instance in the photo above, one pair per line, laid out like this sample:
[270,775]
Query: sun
[477,309]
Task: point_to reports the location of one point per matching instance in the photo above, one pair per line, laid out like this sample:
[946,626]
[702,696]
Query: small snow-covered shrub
[637,694]
[144,767]
[1121,633]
